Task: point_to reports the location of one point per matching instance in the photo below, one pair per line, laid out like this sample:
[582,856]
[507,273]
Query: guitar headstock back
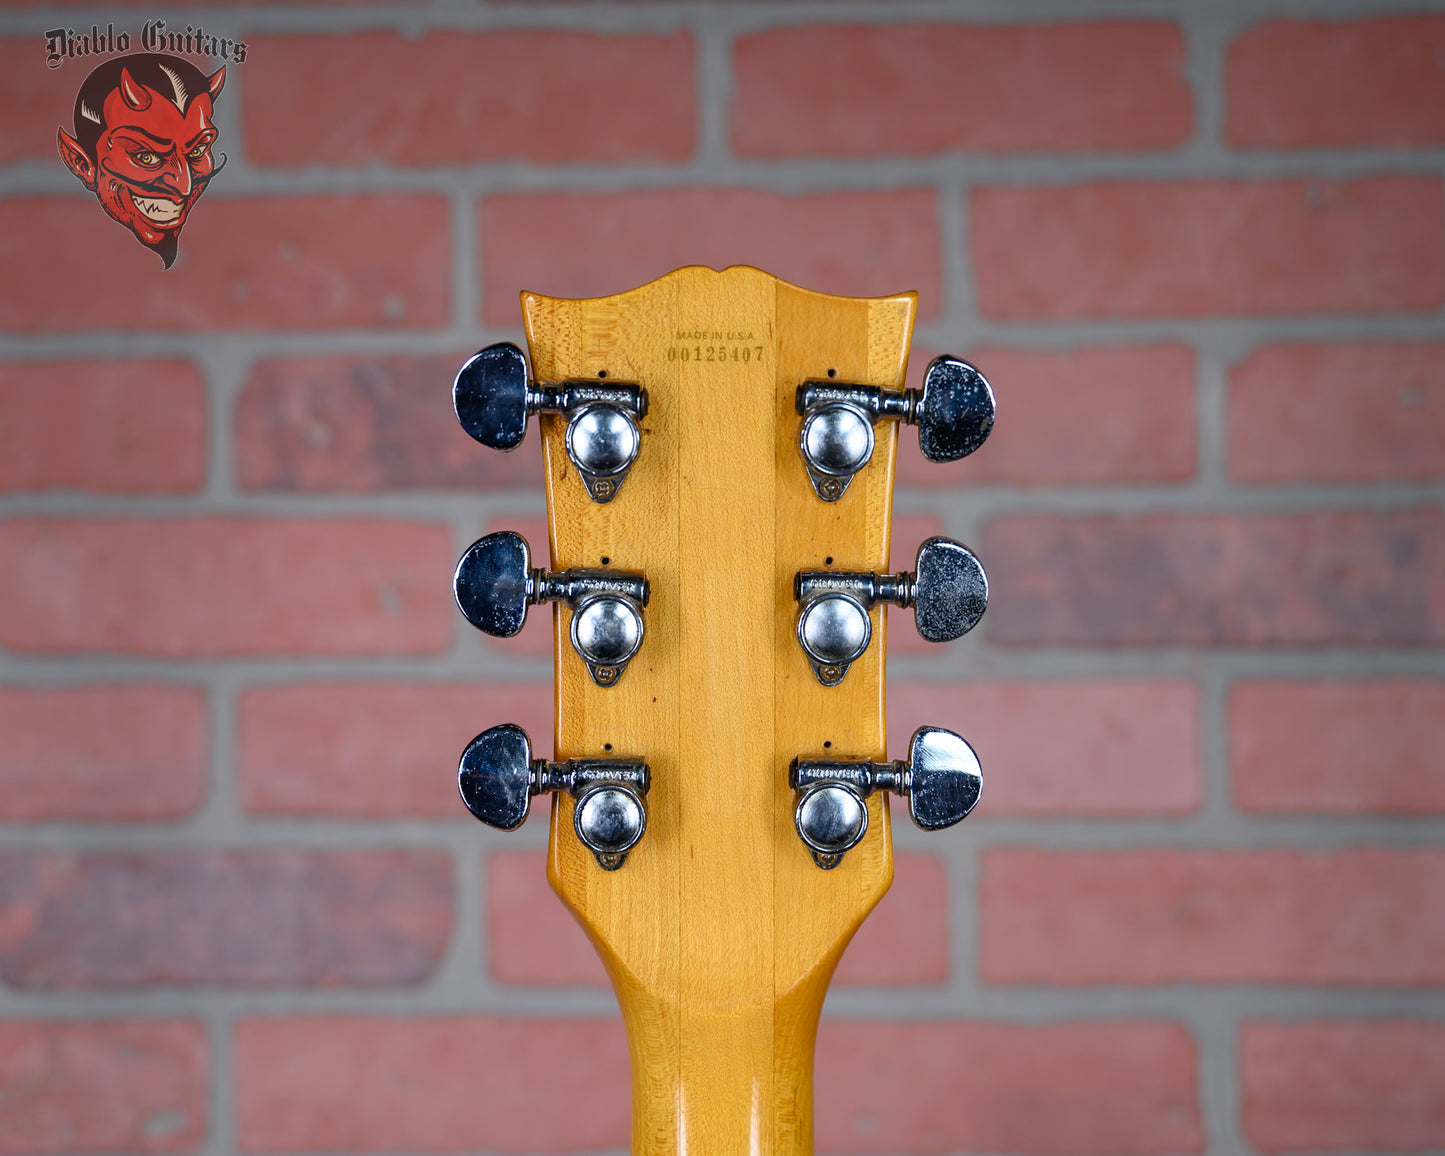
[720,515]
[719,927]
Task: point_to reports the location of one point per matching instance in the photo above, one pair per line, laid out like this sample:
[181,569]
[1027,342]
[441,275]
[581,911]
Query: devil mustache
[156,188]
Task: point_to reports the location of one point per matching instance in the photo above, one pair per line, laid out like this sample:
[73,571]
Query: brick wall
[1199,248]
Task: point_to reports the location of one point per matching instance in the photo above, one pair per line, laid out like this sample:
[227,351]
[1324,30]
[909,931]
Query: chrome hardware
[948,591]
[941,780]
[495,583]
[494,396]
[498,777]
[954,412]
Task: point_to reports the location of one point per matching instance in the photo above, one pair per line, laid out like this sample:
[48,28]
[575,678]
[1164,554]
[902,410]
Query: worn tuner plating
[947,589]
[495,583]
[953,411]
[494,396]
[498,777]
[941,780]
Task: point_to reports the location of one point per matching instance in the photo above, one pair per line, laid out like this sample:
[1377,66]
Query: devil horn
[215,81]
[133,94]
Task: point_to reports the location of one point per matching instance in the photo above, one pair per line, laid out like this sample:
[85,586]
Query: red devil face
[152,159]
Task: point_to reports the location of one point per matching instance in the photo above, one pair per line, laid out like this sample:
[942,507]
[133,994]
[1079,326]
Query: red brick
[1357,916]
[106,426]
[106,753]
[869,89]
[37,100]
[531,937]
[79,62]
[1085,416]
[861,244]
[907,533]
[1338,413]
[379,1084]
[533,940]
[371,750]
[1301,84]
[351,1083]
[1202,248]
[1082,748]
[457,98]
[224,586]
[1328,1085]
[377,261]
[1249,580]
[254,918]
[935,1086]
[357,424]
[102,1086]
[1312,747]
[905,938]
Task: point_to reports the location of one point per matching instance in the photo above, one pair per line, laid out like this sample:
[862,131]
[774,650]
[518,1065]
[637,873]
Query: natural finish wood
[719,933]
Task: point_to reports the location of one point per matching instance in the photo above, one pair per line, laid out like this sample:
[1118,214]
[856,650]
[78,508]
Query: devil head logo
[142,143]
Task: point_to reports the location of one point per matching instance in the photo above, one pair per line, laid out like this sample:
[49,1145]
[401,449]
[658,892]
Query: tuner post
[498,777]
[954,412]
[941,779]
[947,589]
[494,395]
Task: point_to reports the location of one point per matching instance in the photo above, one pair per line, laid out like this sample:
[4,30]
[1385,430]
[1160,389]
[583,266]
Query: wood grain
[720,934]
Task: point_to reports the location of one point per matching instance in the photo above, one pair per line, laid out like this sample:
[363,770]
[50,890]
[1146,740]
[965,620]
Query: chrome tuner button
[954,412]
[495,583]
[944,778]
[494,396]
[491,399]
[947,589]
[950,590]
[830,818]
[941,779]
[495,776]
[498,777]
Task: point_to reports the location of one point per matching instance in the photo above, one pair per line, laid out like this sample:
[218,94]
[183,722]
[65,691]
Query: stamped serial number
[715,353]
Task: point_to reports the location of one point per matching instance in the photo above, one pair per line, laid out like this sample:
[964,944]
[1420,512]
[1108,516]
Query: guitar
[719,452]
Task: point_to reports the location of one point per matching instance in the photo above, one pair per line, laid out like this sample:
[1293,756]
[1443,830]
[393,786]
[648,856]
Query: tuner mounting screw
[947,589]
[954,412]
[495,583]
[494,396]
[498,777]
[941,779]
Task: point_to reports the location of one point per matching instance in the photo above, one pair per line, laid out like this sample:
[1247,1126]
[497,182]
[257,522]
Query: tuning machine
[495,583]
[941,779]
[498,777]
[954,413]
[947,589]
[494,396]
